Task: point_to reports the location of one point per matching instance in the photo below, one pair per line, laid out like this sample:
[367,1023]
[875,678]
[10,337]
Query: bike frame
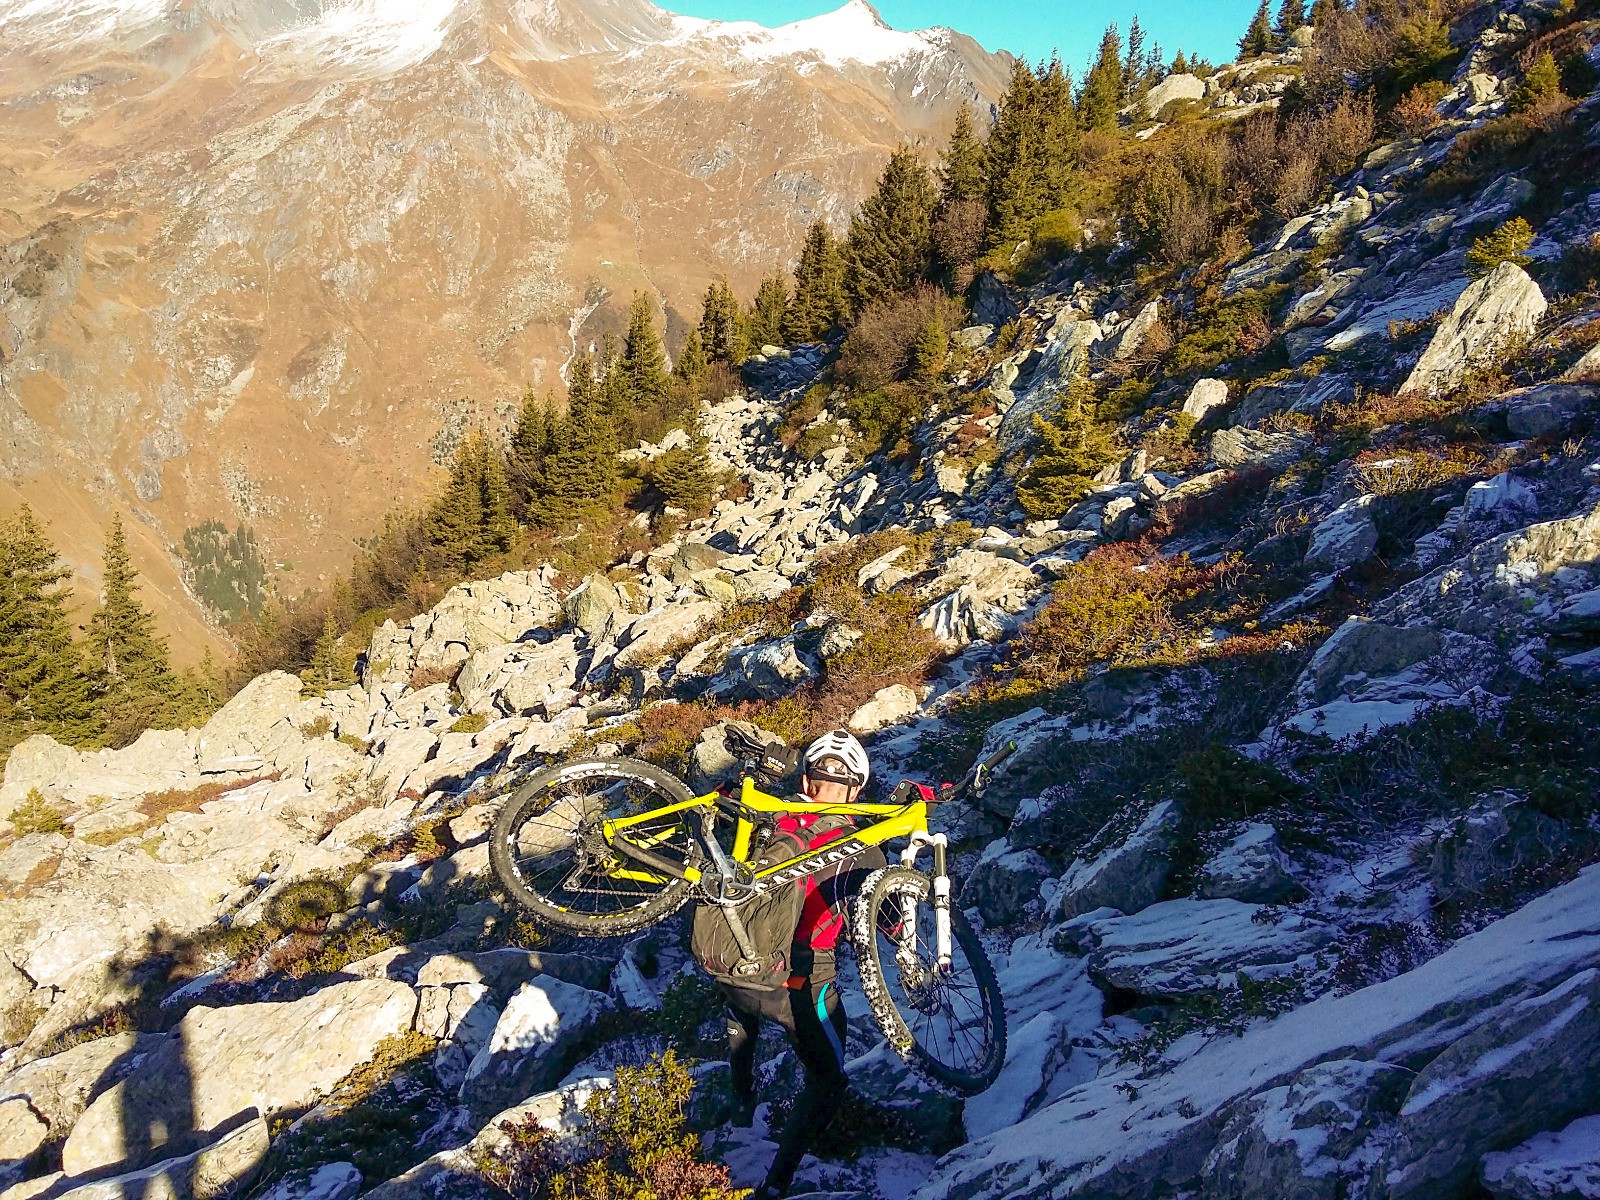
[907,819]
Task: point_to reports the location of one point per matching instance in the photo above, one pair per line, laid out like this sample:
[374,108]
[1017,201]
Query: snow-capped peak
[853,33]
[377,35]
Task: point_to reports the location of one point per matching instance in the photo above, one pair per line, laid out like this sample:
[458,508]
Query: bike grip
[998,757]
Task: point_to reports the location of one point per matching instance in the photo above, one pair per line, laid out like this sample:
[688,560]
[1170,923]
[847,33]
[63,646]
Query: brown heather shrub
[157,806]
[1417,113]
[878,348]
[425,677]
[1238,489]
[1297,185]
[669,731]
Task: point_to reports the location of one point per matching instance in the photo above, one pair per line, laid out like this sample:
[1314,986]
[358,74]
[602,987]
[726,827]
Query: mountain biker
[807,1005]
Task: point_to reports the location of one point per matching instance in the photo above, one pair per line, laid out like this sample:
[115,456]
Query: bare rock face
[533,1043]
[1346,537]
[1129,876]
[222,1063]
[1500,308]
[225,1166]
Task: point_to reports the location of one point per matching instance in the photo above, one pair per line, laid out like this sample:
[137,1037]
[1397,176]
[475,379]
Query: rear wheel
[950,1025]
[550,852]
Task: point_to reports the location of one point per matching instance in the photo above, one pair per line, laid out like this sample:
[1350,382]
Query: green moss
[470,723]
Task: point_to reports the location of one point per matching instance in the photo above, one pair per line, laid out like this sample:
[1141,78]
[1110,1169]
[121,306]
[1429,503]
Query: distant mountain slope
[262,260]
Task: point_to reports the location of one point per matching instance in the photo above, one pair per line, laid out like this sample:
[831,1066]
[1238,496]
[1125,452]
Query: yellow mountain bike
[602,847]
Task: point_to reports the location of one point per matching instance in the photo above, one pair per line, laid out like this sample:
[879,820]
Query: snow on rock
[1182,946]
[532,1042]
[1130,875]
[1097,1142]
[1549,1166]
[1252,868]
[852,33]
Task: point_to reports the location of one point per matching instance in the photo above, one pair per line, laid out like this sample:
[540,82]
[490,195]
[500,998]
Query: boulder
[59,1088]
[243,725]
[1206,395]
[1346,537]
[225,1167]
[765,671]
[1253,868]
[539,680]
[219,1064]
[1004,883]
[992,303]
[1360,649]
[22,1134]
[1178,947]
[1304,1139]
[1561,1165]
[1549,408]
[1491,842]
[1504,497]
[595,607]
[1126,341]
[533,1045]
[1130,875]
[1233,449]
[888,706]
[1502,307]
[981,595]
[1586,369]
[1535,1068]
[1181,86]
[649,637]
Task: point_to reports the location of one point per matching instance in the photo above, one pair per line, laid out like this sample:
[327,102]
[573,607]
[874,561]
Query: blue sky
[1030,28]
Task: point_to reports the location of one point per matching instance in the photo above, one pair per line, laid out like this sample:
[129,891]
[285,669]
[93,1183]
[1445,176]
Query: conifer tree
[930,352]
[1258,38]
[43,685]
[1031,152]
[530,442]
[328,669]
[1322,11]
[691,366]
[1101,96]
[580,468]
[643,362]
[683,475]
[890,245]
[123,647]
[1058,118]
[961,167]
[1180,64]
[1133,68]
[817,306]
[1291,16]
[1072,447]
[765,322]
[472,522]
[722,332]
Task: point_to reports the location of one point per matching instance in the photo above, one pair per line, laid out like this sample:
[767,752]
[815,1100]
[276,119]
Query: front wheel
[950,1025]
[549,849]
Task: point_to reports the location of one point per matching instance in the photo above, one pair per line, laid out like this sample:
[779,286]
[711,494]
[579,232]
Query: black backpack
[769,923]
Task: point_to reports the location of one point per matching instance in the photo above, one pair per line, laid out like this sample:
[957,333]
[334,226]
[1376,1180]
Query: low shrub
[307,904]
[1417,112]
[1220,784]
[668,732]
[470,723]
[879,347]
[37,815]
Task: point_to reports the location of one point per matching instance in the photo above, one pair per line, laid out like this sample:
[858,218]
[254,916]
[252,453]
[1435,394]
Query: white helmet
[844,748]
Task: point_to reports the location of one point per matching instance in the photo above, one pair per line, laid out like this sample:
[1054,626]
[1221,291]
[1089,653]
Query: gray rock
[1563,1165]
[1206,395]
[649,637]
[1232,449]
[60,1087]
[1130,875]
[1492,842]
[1181,86]
[225,1167]
[1361,648]
[22,1134]
[1004,883]
[595,607]
[1586,369]
[1503,306]
[1346,537]
[1120,519]
[1126,341]
[888,706]
[1304,1140]
[1535,1068]
[1183,946]
[765,671]
[221,1063]
[1549,408]
[973,337]
[991,300]
[534,1043]
[1253,868]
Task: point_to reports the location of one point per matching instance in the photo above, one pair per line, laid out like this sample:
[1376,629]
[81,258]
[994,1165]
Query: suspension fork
[941,896]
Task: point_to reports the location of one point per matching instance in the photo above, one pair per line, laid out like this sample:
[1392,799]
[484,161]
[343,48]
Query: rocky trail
[1302,899]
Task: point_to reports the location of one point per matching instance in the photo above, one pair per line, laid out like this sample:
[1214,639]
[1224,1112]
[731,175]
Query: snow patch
[853,33]
[367,35]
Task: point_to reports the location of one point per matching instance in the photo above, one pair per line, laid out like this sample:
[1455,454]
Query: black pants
[814,1021]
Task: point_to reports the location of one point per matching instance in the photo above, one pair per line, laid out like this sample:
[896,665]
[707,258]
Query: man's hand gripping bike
[602,847]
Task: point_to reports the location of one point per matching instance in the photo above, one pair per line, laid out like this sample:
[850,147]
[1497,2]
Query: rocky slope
[279,256]
[1299,900]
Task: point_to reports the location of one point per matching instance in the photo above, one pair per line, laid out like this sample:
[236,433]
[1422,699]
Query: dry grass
[158,806]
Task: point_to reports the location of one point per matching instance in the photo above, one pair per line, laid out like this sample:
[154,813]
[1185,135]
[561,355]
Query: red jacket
[825,906]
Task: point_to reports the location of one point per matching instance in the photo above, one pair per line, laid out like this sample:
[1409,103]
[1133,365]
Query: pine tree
[644,363]
[1540,82]
[1102,86]
[961,167]
[1072,447]
[817,306]
[1031,152]
[1058,118]
[530,442]
[1323,11]
[722,330]
[580,469]
[472,521]
[1291,16]
[1180,64]
[683,476]
[890,245]
[328,669]
[765,321]
[930,352]
[1258,38]
[1133,68]
[691,366]
[123,646]
[43,685]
